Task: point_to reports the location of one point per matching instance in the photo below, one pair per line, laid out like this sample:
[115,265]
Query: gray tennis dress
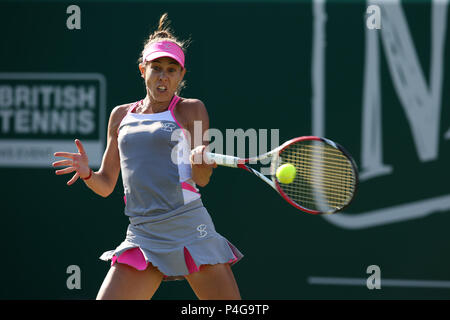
[166,213]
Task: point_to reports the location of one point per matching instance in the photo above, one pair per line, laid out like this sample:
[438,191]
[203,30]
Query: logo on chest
[168,126]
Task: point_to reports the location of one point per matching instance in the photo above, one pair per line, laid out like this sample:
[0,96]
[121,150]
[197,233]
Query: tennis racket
[326,177]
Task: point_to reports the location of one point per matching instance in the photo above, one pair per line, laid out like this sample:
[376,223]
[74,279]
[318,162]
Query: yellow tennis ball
[286,173]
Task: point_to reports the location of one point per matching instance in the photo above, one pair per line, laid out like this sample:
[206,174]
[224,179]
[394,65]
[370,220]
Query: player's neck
[151,106]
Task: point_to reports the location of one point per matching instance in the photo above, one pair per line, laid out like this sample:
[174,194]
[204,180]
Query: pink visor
[164,49]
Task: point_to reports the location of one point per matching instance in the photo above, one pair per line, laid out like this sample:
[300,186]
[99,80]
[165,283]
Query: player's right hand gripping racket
[326,176]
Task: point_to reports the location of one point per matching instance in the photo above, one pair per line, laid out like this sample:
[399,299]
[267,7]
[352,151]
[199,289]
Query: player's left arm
[198,116]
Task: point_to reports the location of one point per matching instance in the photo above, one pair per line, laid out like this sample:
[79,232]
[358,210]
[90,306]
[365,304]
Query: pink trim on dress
[171,107]
[192,266]
[189,187]
[130,110]
[135,258]
[173,102]
[132,257]
[190,263]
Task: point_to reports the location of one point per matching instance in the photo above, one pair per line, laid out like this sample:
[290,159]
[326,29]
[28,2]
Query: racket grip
[222,160]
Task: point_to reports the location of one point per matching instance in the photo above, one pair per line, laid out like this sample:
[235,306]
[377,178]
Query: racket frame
[236,162]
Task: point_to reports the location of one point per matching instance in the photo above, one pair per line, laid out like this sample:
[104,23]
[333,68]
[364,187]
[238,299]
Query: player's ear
[183,72]
[142,69]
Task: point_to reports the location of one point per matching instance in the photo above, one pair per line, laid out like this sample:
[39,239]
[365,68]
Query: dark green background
[250,63]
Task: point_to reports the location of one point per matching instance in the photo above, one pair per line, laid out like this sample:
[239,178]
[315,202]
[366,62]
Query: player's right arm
[104,180]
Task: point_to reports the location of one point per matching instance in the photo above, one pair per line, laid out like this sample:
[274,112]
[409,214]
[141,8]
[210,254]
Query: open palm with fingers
[77,162]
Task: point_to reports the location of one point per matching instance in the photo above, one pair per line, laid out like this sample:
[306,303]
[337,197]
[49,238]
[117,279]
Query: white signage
[42,113]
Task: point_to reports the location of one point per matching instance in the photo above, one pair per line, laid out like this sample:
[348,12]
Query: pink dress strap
[133,107]
[173,103]
[130,110]
[171,107]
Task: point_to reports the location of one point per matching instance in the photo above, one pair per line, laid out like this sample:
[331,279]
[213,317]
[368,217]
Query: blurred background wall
[303,67]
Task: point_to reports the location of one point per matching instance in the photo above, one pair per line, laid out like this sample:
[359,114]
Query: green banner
[370,75]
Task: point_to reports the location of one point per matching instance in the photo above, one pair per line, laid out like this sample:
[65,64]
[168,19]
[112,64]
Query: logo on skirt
[202,229]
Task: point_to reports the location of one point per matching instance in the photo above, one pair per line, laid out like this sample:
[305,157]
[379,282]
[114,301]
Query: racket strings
[331,171]
[325,178]
[317,187]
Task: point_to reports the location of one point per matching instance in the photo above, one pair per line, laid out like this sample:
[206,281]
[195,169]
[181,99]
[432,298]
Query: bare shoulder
[195,103]
[193,108]
[117,114]
[121,110]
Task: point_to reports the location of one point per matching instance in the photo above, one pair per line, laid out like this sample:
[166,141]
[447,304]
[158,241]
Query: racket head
[326,176]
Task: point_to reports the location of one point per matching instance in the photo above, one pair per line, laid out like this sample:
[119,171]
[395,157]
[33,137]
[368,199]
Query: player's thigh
[214,282]
[124,282]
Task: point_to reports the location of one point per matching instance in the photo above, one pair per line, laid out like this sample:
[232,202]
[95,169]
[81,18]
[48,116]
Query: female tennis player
[171,234]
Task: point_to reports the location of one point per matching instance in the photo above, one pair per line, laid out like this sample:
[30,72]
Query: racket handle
[222,160]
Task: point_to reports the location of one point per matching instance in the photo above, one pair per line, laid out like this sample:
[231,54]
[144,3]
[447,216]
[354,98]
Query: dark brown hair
[165,33]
